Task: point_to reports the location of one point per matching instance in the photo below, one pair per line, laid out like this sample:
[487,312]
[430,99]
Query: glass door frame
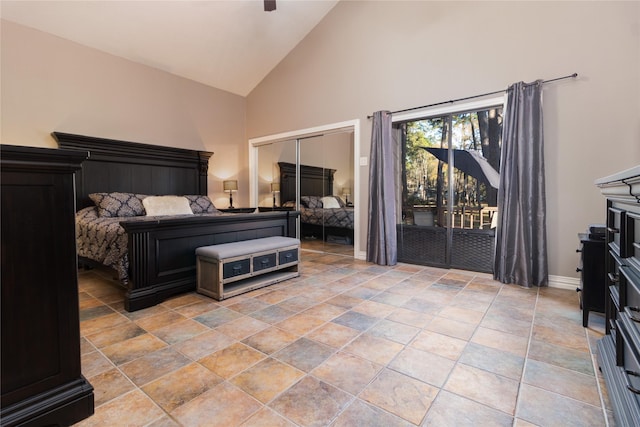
[446,113]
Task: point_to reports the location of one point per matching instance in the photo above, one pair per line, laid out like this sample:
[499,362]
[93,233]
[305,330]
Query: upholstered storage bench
[230,269]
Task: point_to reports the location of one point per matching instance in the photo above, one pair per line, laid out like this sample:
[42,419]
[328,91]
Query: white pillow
[329,202]
[166,205]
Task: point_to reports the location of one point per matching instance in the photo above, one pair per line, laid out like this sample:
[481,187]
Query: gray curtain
[382,246]
[521,245]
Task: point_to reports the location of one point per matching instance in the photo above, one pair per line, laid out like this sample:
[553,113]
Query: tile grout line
[306,374]
[457,361]
[354,397]
[135,386]
[526,359]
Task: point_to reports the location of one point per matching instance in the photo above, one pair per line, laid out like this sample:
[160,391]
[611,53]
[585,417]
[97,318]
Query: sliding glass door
[450,177]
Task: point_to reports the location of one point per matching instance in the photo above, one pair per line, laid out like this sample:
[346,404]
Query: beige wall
[364,56]
[368,56]
[51,84]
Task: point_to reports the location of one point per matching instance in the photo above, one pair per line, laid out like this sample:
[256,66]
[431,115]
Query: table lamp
[346,192]
[275,188]
[230,186]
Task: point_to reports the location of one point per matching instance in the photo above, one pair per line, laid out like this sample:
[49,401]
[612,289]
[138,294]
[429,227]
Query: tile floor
[325,246]
[346,344]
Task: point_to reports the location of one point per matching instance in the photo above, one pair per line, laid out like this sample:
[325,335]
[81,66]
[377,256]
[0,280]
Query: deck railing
[469,217]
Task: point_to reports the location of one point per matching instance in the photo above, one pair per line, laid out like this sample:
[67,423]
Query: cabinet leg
[585,317]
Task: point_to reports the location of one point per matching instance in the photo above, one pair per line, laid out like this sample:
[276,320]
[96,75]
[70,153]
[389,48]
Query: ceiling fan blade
[269,5]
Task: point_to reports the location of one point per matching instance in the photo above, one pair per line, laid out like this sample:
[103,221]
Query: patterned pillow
[201,204]
[311,201]
[118,204]
[289,204]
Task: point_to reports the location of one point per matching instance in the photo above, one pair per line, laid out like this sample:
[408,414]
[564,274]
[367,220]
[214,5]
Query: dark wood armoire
[42,383]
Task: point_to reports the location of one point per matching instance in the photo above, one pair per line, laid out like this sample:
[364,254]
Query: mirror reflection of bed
[326,221]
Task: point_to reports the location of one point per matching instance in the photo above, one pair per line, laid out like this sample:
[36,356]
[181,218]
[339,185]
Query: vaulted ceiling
[228,44]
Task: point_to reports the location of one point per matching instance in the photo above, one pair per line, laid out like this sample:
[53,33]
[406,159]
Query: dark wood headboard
[314,181]
[131,167]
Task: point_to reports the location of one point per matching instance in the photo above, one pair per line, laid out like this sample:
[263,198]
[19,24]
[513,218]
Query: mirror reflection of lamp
[346,192]
[275,188]
[230,186]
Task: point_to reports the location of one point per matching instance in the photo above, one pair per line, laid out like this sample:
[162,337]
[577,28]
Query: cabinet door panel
[615,224]
[633,240]
[38,284]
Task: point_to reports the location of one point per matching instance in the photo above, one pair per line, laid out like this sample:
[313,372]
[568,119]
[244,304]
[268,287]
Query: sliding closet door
[326,172]
[314,183]
[271,194]
[299,173]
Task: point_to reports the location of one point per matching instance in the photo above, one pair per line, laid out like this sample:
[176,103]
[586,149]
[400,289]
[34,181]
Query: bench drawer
[262,262]
[236,268]
[287,256]
[229,269]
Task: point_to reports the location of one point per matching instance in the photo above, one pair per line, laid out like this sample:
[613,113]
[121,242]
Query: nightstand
[592,275]
[237,210]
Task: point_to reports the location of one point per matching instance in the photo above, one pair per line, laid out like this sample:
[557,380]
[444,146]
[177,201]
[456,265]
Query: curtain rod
[570,76]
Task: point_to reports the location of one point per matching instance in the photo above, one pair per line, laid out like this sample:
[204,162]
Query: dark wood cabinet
[42,383]
[619,350]
[592,277]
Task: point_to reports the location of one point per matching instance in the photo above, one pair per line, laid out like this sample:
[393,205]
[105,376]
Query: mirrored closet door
[314,174]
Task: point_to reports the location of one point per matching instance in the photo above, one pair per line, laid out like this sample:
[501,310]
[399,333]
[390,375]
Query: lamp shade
[275,187]
[346,191]
[231,185]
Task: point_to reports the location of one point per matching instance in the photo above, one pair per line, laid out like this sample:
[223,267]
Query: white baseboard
[564,282]
[560,282]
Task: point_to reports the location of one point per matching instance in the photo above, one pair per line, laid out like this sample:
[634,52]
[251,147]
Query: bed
[333,223]
[159,258]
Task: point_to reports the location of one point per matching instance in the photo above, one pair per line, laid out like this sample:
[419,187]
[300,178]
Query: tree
[490,123]
[419,168]
[424,177]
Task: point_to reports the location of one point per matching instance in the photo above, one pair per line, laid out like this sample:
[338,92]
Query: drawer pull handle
[578,270]
[631,388]
[236,269]
[631,316]
[613,277]
[578,250]
[287,256]
[264,262]
[613,230]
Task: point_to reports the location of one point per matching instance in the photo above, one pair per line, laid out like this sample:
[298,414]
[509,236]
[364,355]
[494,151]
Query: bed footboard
[162,259]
